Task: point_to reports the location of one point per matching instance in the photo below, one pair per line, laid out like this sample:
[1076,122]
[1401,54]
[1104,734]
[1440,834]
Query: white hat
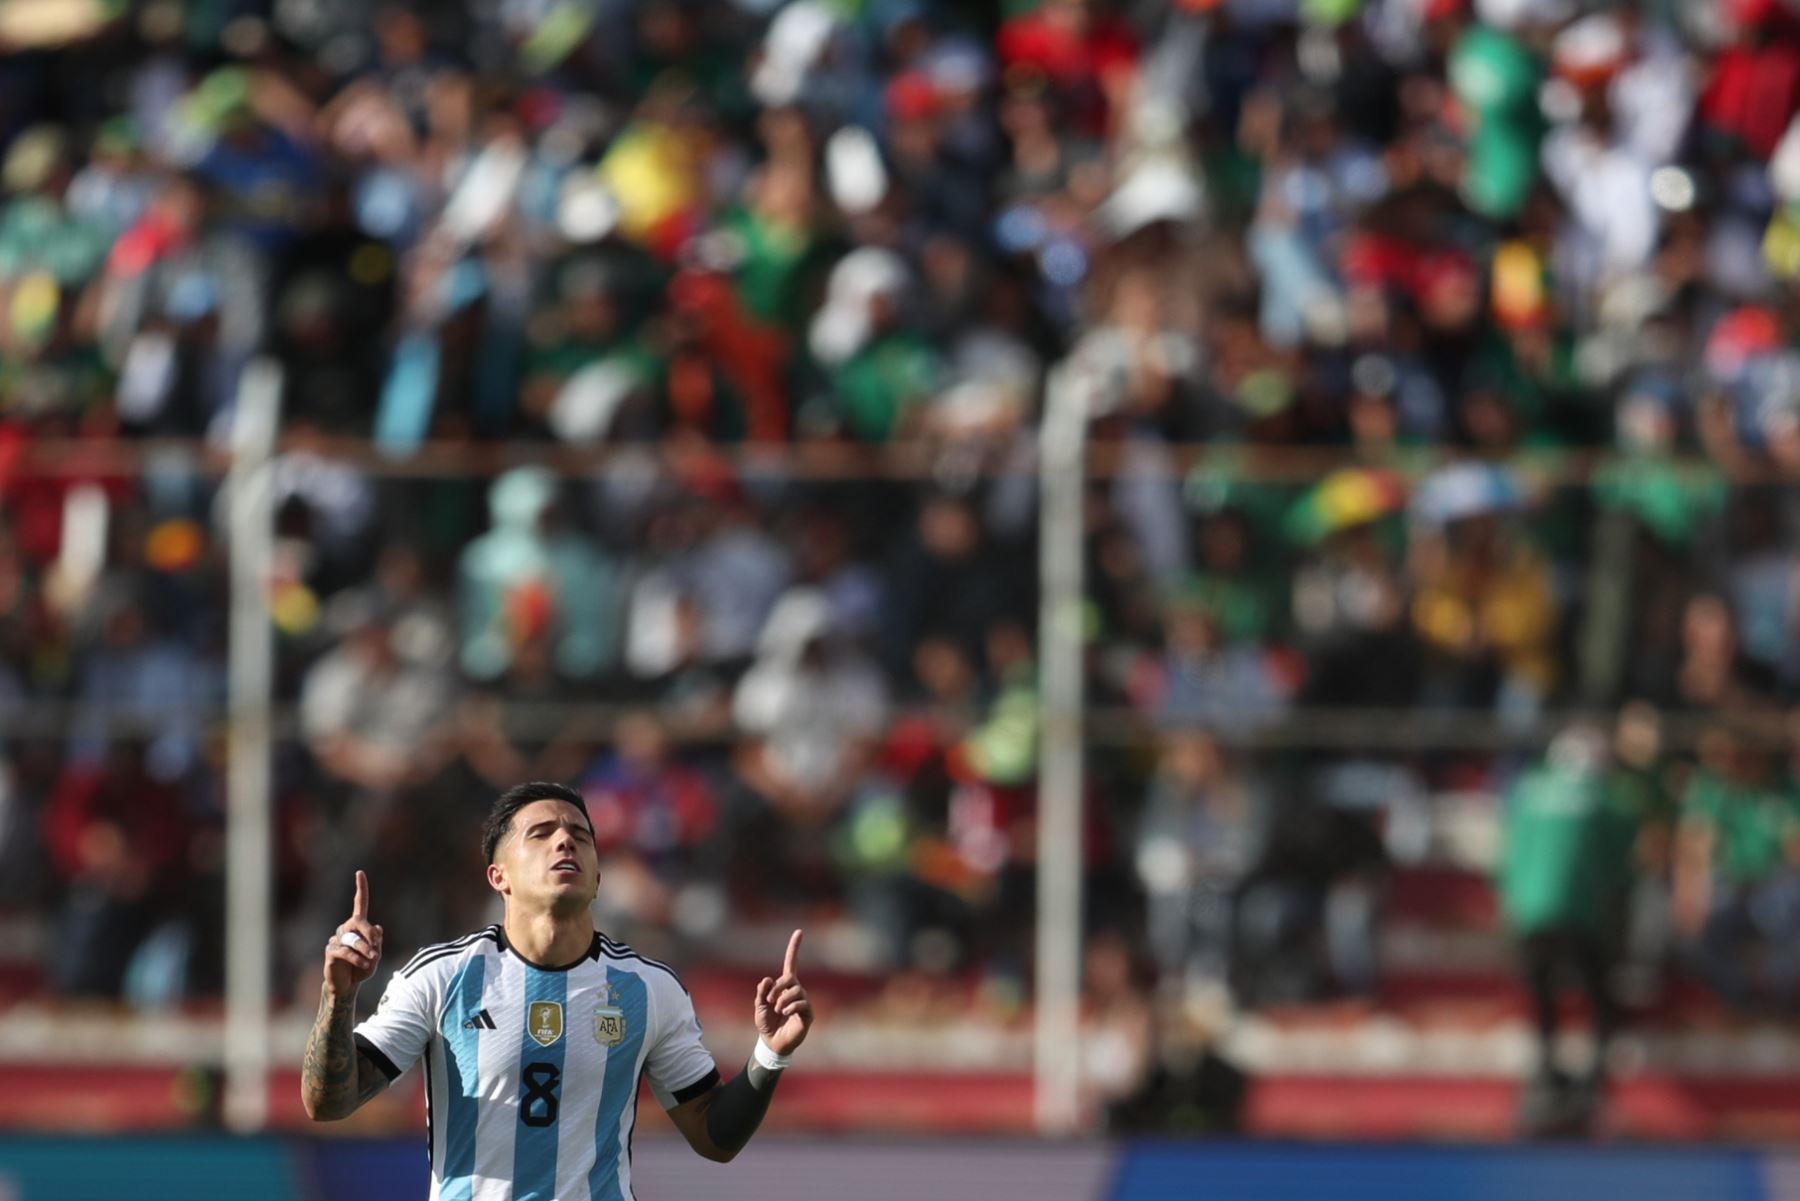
[853,170]
[584,409]
[842,325]
[586,209]
[1159,189]
[1594,43]
[800,616]
[1784,165]
[796,40]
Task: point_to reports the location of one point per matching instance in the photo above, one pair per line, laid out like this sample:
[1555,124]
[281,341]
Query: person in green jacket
[1575,828]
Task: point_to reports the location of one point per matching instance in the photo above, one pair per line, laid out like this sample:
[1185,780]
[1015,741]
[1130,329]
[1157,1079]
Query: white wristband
[769,1058]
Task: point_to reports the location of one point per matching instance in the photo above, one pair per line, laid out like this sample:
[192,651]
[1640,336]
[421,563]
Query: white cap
[842,325]
[796,41]
[1159,189]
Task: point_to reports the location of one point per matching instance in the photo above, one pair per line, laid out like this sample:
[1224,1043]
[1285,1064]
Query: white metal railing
[249,858]
[1056,1063]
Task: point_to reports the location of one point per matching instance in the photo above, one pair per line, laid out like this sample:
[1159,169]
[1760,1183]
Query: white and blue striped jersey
[531,1073]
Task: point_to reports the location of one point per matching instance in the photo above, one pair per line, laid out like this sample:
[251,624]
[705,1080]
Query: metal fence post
[1061,464]
[249,856]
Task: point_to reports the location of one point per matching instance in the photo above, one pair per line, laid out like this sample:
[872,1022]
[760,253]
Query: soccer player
[536,1032]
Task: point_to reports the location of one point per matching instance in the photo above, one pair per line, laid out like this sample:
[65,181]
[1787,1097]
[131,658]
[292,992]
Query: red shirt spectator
[117,826]
[1088,56]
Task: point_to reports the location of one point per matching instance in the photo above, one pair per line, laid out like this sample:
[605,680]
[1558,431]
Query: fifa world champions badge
[609,1019]
[544,1021]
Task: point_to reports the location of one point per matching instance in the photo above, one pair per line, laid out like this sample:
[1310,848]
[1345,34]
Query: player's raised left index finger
[791,964]
[359,908]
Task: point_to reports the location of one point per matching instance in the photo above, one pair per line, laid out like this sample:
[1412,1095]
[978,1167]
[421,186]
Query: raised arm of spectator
[1692,881]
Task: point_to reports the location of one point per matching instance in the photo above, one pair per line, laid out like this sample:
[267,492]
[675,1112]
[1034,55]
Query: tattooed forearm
[333,1083]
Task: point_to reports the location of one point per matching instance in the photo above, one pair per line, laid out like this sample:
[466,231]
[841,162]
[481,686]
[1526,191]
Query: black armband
[739,1107]
[374,1055]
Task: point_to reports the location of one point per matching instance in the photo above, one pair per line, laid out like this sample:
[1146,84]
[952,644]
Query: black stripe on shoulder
[376,1056]
[619,950]
[698,1088]
[435,947]
[433,954]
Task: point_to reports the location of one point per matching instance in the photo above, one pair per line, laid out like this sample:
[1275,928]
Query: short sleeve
[396,1034]
[679,1065]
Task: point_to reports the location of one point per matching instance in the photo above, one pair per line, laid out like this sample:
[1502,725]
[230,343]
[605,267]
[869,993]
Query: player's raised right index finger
[359,908]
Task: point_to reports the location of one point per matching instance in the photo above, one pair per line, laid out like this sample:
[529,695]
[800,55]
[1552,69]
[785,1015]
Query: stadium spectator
[655,820]
[118,837]
[734,568]
[815,705]
[514,728]
[378,727]
[1119,1033]
[1203,827]
[1199,680]
[136,673]
[371,717]
[531,579]
[1483,609]
[1706,669]
[1306,923]
[1577,829]
[1350,615]
[947,579]
[1735,883]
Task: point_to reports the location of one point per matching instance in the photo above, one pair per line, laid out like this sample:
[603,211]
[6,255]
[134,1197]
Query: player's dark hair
[499,819]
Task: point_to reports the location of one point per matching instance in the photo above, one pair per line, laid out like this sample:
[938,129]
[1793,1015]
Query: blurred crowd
[1437,357]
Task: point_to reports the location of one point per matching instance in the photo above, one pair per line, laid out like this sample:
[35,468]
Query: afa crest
[544,1021]
[609,1025]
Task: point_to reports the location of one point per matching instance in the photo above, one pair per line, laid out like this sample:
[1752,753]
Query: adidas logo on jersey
[481,1021]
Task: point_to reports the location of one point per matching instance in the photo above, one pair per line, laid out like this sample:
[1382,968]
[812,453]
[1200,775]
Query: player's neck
[550,939]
